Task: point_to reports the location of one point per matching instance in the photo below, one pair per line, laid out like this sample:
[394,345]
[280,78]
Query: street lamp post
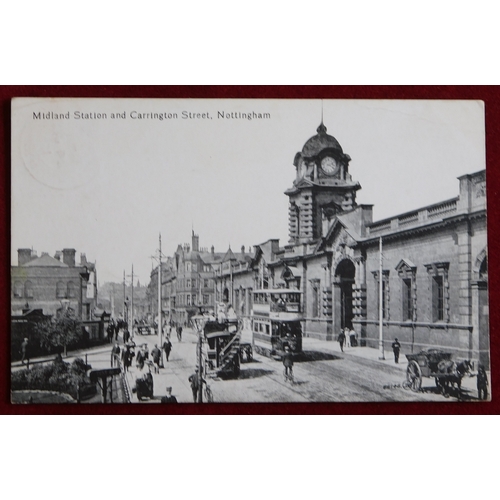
[199,322]
[381,303]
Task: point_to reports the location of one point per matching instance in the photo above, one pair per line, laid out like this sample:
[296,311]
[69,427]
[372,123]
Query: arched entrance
[344,282]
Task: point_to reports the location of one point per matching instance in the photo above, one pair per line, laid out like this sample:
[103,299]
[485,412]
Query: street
[324,374]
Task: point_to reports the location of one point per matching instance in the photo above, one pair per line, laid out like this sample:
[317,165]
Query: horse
[451,374]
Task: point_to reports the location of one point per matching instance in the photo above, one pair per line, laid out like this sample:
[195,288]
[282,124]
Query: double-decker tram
[276,321]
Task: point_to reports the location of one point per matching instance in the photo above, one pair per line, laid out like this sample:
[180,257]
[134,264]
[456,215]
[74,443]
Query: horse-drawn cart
[439,364]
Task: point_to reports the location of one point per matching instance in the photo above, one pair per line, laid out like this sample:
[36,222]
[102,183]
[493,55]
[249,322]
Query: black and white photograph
[248,251]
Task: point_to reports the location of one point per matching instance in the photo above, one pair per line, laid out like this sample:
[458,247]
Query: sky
[107,187]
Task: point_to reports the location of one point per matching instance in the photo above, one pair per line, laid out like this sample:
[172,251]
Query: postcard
[248,250]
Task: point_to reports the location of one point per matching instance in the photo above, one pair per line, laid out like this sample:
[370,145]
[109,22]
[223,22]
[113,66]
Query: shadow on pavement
[454,393]
[315,356]
[254,373]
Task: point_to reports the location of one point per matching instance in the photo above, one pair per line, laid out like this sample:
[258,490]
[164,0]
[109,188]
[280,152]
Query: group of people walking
[348,338]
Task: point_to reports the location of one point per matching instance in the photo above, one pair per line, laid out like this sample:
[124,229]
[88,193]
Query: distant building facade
[188,281]
[53,284]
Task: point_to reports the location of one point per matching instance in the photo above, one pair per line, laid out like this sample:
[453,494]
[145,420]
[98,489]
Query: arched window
[18,289]
[71,290]
[28,290]
[483,270]
[61,290]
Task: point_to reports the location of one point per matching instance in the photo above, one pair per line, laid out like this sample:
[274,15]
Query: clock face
[329,165]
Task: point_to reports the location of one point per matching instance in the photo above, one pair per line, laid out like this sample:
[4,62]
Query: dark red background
[489,94]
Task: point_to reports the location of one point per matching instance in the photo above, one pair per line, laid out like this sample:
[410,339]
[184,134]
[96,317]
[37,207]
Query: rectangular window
[385,293]
[205,283]
[437,298]
[189,300]
[188,283]
[194,283]
[315,298]
[407,300]
[206,299]
[194,268]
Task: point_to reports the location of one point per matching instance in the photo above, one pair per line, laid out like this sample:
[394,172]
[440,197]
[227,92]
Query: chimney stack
[23,256]
[69,256]
[212,249]
[243,249]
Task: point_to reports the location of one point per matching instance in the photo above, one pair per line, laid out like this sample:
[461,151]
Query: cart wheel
[414,376]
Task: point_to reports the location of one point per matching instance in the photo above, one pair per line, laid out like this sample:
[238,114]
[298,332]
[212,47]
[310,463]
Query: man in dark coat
[482,383]
[127,356]
[288,363]
[396,347]
[341,340]
[111,331]
[141,358]
[169,398]
[195,385]
[156,355]
[167,347]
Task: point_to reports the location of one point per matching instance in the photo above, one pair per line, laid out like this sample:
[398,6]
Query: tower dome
[319,142]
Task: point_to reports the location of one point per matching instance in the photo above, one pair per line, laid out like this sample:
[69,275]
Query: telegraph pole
[380,303]
[159,297]
[132,303]
[125,316]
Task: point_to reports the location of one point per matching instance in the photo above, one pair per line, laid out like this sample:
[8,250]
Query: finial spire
[321,129]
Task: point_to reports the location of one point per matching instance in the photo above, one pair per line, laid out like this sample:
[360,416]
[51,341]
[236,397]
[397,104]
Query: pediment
[405,265]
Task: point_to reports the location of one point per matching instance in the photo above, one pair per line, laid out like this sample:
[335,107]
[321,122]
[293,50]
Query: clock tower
[322,188]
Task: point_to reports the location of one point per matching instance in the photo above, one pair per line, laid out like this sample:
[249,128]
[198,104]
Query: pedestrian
[115,355]
[169,398]
[126,336]
[127,356]
[111,331]
[167,347]
[396,347]
[156,355]
[288,363]
[482,383]
[179,333]
[341,340]
[25,351]
[195,385]
[140,359]
[352,334]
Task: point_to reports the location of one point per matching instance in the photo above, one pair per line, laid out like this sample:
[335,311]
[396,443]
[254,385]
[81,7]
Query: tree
[58,333]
